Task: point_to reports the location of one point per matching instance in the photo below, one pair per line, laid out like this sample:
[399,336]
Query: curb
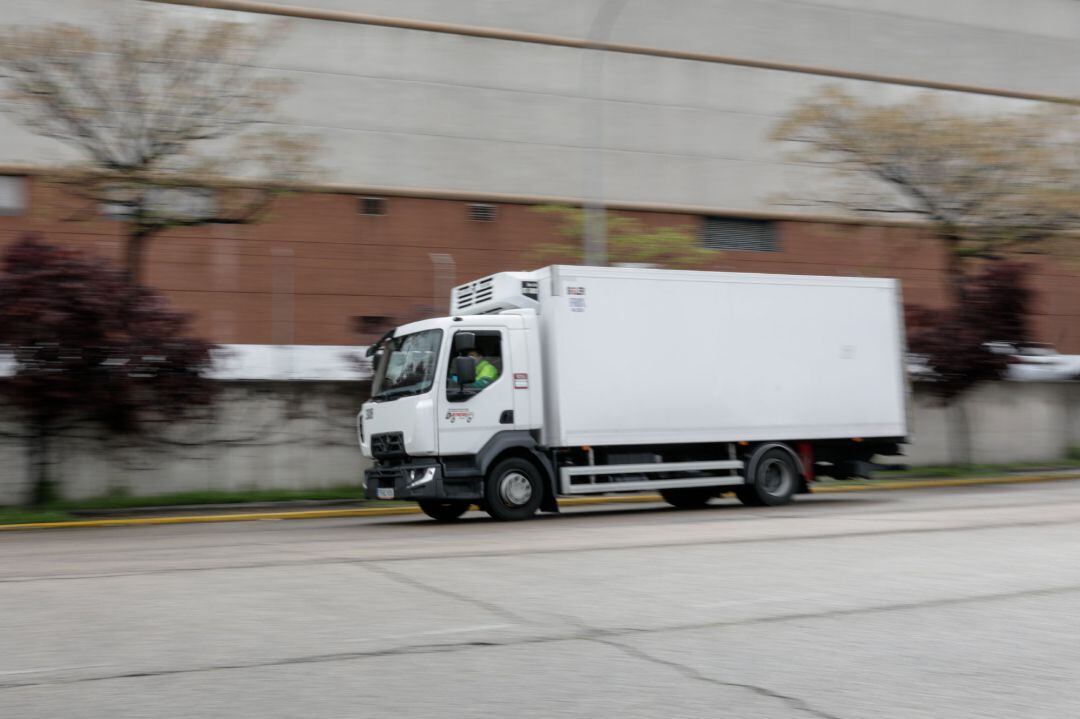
[957,482]
[298,505]
[570,502]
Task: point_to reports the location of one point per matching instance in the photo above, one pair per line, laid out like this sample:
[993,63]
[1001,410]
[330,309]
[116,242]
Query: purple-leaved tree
[92,351]
[955,342]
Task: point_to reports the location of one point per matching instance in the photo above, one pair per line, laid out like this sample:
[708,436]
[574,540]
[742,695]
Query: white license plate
[385,492]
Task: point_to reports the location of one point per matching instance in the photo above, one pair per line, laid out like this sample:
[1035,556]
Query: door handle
[507,417]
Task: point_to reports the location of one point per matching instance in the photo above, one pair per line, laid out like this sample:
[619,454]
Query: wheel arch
[522,445]
[758,450]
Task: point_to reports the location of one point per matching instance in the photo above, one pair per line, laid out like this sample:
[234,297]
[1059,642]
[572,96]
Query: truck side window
[489,366]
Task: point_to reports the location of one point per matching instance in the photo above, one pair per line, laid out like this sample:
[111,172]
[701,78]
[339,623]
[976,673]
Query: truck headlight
[420,476]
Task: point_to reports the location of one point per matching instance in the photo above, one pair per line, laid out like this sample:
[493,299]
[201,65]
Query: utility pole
[595,229]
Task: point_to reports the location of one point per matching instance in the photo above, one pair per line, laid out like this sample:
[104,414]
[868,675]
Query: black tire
[688,497]
[443,510]
[775,480]
[513,490]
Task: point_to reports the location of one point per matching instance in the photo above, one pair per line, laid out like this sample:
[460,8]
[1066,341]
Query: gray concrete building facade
[443,111]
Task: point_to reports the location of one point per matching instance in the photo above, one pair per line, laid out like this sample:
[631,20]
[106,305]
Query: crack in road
[603,637]
[308,659]
[583,633]
[405,579]
[853,611]
[691,673]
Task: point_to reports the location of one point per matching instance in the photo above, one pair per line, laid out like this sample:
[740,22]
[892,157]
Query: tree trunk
[960,451]
[954,271]
[42,490]
[133,254]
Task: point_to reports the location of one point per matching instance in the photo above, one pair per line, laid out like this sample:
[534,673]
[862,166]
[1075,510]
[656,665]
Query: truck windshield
[407,365]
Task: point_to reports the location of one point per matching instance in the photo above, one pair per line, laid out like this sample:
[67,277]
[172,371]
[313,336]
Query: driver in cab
[486,372]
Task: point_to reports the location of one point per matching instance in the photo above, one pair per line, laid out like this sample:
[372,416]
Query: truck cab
[433,432]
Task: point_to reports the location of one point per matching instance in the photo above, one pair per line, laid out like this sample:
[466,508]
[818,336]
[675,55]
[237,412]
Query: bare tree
[988,186]
[169,121]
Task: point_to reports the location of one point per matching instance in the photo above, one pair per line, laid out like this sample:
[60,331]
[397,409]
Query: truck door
[469,416]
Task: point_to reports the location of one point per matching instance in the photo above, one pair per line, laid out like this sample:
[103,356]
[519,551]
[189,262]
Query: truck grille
[382,478]
[388,445]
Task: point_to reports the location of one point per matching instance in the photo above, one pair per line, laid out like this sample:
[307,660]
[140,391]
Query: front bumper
[418,479]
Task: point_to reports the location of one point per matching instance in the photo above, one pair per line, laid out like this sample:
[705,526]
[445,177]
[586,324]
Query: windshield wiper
[379,343]
[396,392]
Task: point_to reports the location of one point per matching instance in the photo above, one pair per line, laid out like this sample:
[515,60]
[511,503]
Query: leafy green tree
[630,241]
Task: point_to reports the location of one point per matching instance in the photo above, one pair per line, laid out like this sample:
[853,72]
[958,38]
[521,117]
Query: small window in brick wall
[732,233]
[12,194]
[372,206]
[481,213]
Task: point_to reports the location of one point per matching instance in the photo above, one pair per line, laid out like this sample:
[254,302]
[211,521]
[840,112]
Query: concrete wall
[407,108]
[301,435]
[265,435]
[1008,422]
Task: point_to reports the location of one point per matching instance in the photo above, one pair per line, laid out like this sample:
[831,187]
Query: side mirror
[464,341]
[465,369]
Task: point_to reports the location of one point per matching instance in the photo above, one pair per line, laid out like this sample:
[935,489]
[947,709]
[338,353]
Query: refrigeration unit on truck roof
[494,293]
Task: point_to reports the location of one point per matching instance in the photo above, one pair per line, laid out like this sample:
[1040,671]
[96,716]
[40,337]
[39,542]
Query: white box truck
[572,381]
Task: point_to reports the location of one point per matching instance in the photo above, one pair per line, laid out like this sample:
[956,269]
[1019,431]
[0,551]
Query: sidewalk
[335,508]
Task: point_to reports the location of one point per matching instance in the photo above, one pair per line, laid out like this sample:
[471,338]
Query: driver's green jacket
[485,373]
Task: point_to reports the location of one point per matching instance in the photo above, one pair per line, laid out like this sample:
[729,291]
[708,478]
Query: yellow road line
[191,519]
[569,502]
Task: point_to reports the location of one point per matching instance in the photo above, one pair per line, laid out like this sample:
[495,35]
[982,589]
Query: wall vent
[481,213]
[372,206]
[731,233]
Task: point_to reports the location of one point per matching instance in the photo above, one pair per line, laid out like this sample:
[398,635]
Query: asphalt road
[930,603]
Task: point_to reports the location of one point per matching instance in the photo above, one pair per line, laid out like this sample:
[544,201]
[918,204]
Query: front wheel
[442,509]
[774,481]
[513,490]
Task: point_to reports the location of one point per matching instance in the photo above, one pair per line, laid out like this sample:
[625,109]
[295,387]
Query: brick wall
[316,263]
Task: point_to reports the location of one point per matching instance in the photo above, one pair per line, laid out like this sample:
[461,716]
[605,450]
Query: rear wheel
[444,510]
[775,480]
[688,497]
[513,490]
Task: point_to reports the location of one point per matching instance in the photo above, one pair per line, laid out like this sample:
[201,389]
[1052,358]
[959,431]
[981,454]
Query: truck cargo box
[645,356]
